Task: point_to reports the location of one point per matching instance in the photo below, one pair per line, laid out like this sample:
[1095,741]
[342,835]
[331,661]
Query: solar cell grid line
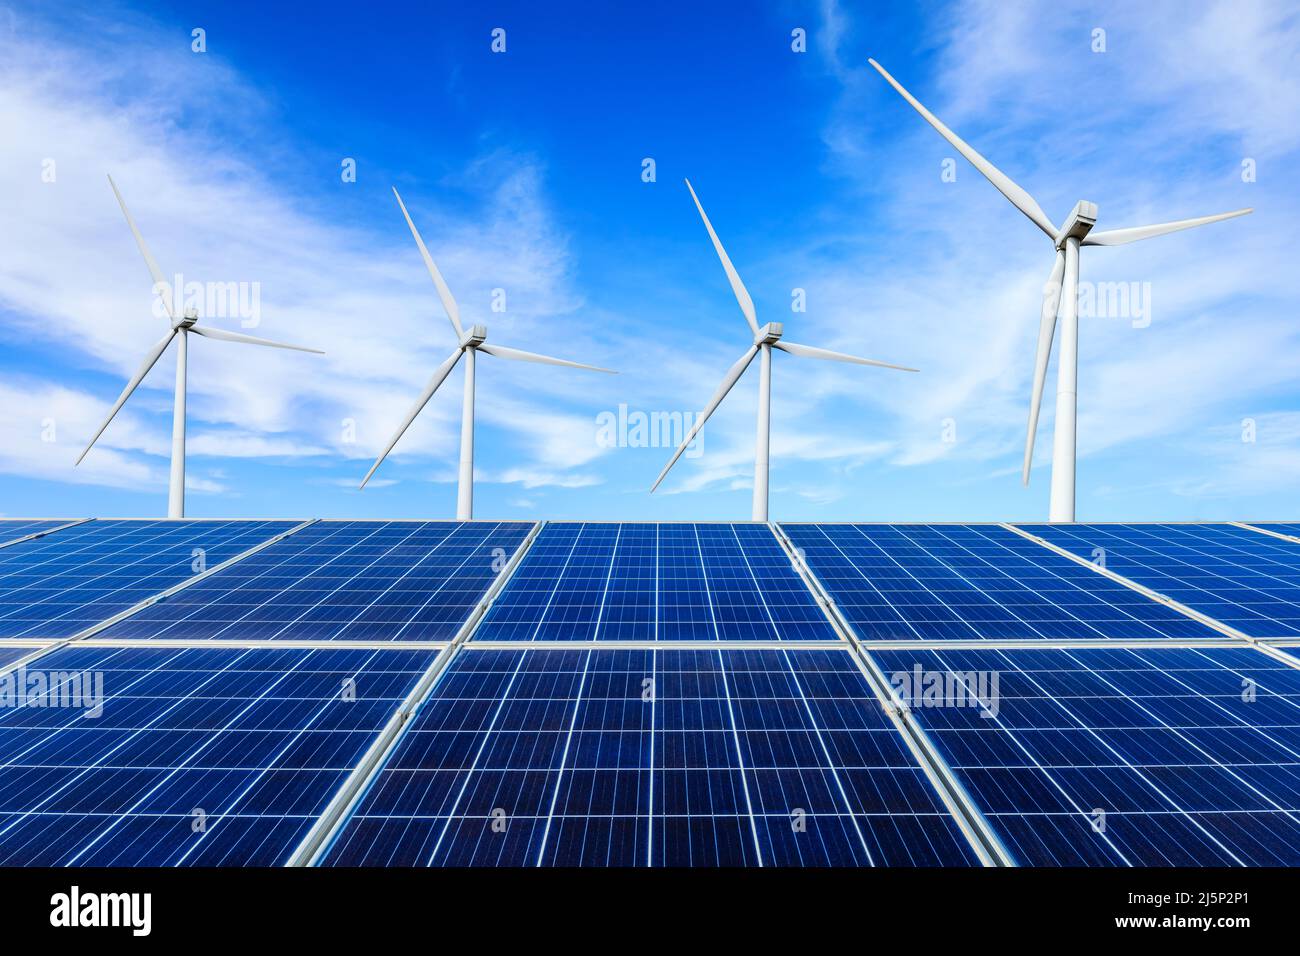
[654,756]
[194,756]
[342,581]
[60,584]
[666,582]
[1248,581]
[973,582]
[1107,756]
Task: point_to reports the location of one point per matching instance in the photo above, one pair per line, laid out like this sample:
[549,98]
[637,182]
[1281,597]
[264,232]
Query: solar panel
[655,582]
[1151,757]
[1245,579]
[349,580]
[965,582]
[12,529]
[1281,527]
[208,756]
[662,757]
[58,585]
[10,654]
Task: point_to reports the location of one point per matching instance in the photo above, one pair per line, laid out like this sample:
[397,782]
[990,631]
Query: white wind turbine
[765,339]
[1073,233]
[182,325]
[469,344]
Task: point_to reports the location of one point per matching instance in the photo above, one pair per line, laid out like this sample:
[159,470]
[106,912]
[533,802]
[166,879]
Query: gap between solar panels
[985,841]
[43,532]
[353,789]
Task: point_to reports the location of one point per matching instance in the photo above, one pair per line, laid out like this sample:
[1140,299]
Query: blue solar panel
[660,757]
[10,654]
[206,756]
[349,580]
[966,582]
[655,582]
[13,528]
[1245,579]
[59,584]
[1152,757]
[1281,527]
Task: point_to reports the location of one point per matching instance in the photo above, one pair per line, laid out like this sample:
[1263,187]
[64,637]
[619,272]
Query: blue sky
[524,172]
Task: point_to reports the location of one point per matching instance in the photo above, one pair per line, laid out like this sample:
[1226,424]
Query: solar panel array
[350,580]
[955,582]
[13,529]
[651,757]
[55,586]
[640,694]
[656,582]
[1247,580]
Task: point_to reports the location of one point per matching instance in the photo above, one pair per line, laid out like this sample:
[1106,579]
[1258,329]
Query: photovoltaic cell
[14,528]
[60,584]
[1106,756]
[964,582]
[348,580]
[1245,579]
[208,756]
[655,582]
[660,757]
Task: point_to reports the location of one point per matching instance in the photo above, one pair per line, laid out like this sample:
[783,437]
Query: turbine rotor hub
[1078,224]
[186,319]
[769,334]
[474,336]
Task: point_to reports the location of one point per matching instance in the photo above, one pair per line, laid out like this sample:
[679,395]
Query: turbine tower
[1060,294]
[765,339]
[181,326]
[469,344]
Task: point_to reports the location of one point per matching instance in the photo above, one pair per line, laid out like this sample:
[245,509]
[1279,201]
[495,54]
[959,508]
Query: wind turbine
[181,326]
[1076,231]
[469,343]
[765,339]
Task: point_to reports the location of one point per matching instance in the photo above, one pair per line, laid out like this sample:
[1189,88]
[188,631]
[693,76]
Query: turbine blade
[1046,329]
[144,249]
[519,355]
[439,375]
[225,336]
[448,303]
[1000,180]
[149,361]
[738,287]
[808,351]
[1117,237]
[728,381]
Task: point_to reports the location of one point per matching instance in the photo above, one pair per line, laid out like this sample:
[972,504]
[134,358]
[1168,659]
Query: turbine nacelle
[473,337]
[1078,224]
[769,334]
[186,320]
